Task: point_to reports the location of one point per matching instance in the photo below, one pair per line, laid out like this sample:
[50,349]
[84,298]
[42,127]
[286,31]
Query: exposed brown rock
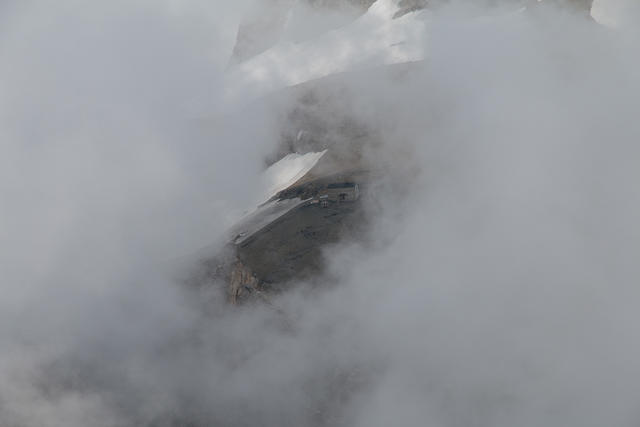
[242,282]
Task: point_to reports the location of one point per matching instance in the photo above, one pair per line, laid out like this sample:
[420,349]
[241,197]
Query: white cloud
[497,287]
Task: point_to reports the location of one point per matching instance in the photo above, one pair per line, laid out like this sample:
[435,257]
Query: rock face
[289,248]
[273,248]
[292,247]
[242,283]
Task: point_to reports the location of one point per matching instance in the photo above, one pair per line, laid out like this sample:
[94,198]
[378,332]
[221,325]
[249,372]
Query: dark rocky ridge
[291,247]
[315,116]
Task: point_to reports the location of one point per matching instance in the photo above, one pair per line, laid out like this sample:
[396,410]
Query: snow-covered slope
[264,215]
[277,177]
[375,38]
[288,170]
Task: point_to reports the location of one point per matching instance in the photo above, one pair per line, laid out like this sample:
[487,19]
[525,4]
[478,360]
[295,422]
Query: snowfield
[287,171]
[373,39]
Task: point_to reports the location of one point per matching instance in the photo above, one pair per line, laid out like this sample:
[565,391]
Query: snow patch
[373,39]
[287,171]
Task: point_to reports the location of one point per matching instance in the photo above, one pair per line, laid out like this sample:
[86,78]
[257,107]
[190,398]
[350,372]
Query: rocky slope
[284,240]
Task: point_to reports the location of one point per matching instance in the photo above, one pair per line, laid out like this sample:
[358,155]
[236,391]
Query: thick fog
[498,285]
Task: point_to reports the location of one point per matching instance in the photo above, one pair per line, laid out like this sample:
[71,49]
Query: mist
[497,285]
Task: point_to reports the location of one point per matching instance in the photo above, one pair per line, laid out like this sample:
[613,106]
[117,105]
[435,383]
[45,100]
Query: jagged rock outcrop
[242,282]
[318,117]
[290,248]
